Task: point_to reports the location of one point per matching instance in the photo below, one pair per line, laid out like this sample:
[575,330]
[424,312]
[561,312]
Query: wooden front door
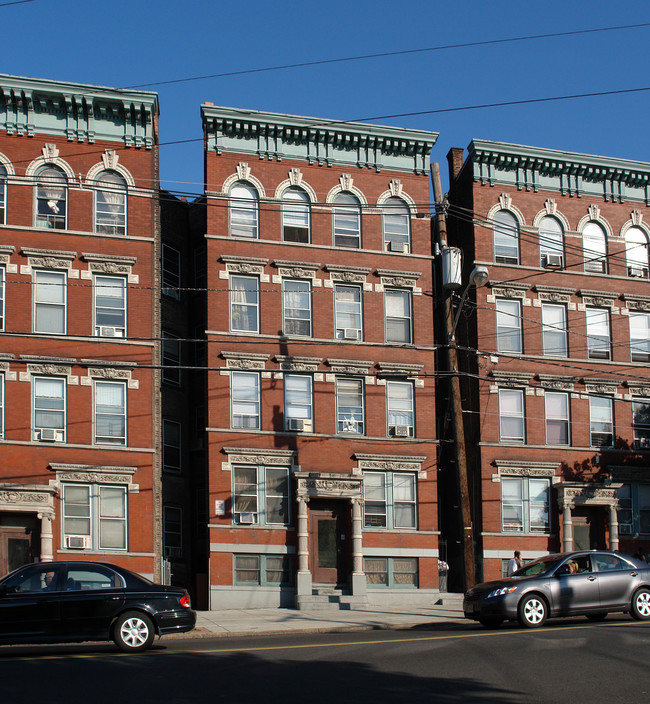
[15,548]
[327,544]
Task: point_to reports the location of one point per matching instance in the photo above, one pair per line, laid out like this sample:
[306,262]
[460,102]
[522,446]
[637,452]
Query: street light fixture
[477,278]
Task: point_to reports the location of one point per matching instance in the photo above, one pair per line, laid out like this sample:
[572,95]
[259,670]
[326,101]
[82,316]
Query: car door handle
[591,579]
[634,574]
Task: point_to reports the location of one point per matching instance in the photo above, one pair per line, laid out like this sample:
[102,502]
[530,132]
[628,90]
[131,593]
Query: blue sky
[131,43]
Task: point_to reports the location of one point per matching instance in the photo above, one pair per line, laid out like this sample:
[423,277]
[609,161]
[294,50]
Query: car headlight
[501,592]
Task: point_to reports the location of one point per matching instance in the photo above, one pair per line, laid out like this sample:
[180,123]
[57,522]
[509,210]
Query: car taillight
[185,601]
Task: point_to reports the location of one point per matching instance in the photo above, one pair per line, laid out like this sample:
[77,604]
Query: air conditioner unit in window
[49,435]
[107,331]
[636,271]
[398,247]
[351,333]
[642,443]
[248,517]
[402,431]
[76,542]
[553,259]
[297,424]
[625,528]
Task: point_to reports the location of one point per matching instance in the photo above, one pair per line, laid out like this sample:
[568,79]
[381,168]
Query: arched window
[3,193]
[244,211]
[347,221]
[110,204]
[594,248]
[551,242]
[51,198]
[636,252]
[295,215]
[397,225]
[505,233]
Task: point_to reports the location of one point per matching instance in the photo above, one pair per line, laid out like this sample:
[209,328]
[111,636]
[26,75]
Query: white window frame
[384,493]
[383,572]
[396,225]
[115,326]
[301,406]
[264,564]
[172,440]
[42,300]
[551,240]
[525,505]
[400,408]
[505,227]
[518,415]
[557,417]
[244,304]
[296,314]
[2,405]
[3,296]
[93,515]
[554,330]
[599,335]
[346,310]
[171,358]
[243,211]
[350,407]
[41,407]
[405,319]
[634,509]
[253,497]
[509,326]
[346,221]
[594,248]
[45,192]
[3,195]
[115,412]
[641,422]
[601,420]
[639,336]
[110,217]
[296,216]
[171,272]
[237,397]
[636,252]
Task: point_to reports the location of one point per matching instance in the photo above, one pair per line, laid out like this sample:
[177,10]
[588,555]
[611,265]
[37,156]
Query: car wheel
[532,611]
[597,617]
[133,632]
[493,622]
[641,604]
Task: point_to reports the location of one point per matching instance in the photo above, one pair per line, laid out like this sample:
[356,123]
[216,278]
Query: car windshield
[538,567]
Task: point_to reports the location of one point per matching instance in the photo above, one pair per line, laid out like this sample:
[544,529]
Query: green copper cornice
[30,106]
[325,142]
[567,173]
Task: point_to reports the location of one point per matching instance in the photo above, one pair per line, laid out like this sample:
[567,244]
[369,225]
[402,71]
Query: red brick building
[79,246]
[321,445]
[557,345]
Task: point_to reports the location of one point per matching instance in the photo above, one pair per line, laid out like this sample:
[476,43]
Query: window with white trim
[601,421]
[2,297]
[51,198]
[296,307]
[110,413]
[295,216]
[346,215]
[640,336]
[171,445]
[390,500]
[554,330]
[505,235]
[298,402]
[49,408]
[110,204]
[349,406]
[641,423]
[109,305]
[636,252]
[262,570]
[396,222]
[391,572]
[594,248]
[245,400]
[94,516]
[2,405]
[50,302]
[244,304]
[348,312]
[511,416]
[525,504]
[400,406]
[399,316]
[171,359]
[551,242]
[244,211]
[172,531]
[260,495]
[556,414]
[509,326]
[599,344]
[171,272]
[634,510]
[3,194]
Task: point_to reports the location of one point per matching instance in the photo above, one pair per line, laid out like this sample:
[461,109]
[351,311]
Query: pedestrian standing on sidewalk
[515,563]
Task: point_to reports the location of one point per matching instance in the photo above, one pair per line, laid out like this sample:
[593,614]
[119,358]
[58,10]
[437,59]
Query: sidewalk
[244,622]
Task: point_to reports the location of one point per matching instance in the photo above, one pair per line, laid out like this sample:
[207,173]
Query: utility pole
[456,404]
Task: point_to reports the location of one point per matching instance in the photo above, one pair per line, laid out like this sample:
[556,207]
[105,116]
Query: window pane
[594,248]
[396,222]
[509,326]
[243,211]
[640,336]
[506,238]
[554,330]
[244,302]
[347,221]
[297,307]
[551,239]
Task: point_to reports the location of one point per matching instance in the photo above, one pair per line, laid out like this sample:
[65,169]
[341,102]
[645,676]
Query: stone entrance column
[567,528]
[47,547]
[358,575]
[304,582]
[613,527]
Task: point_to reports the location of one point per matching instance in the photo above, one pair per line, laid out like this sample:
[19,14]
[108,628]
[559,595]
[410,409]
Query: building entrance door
[588,528]
[15,548]
[327,538]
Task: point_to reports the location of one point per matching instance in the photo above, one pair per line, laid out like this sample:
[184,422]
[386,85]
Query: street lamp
[477,278]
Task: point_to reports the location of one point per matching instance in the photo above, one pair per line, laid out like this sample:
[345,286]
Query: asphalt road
[567,661]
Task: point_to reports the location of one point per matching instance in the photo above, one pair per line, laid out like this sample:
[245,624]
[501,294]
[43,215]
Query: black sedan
[591,584]
[66,602]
